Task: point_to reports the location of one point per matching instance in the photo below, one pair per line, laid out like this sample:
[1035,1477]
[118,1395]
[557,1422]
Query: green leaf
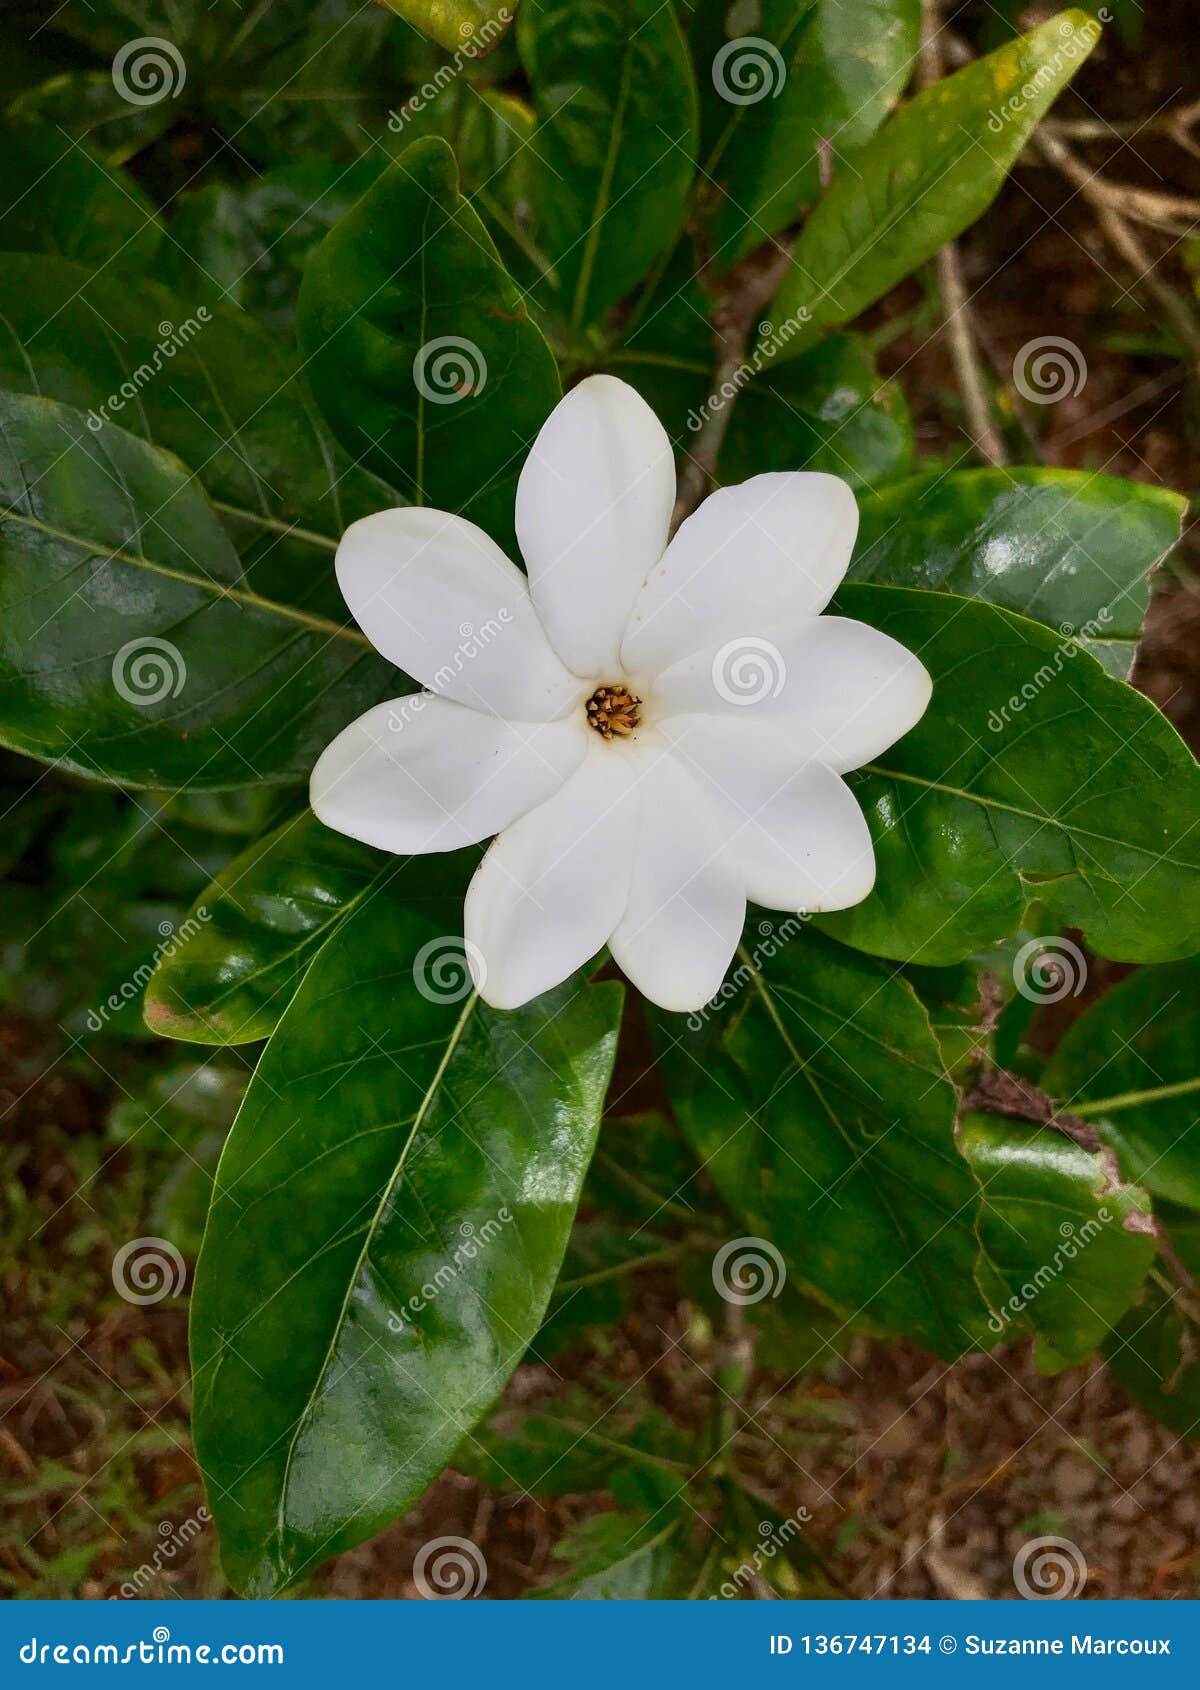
[88,105]
[210,385]
[187,1108]
[1155,1355]
[419,348]
[1131,1065]
[579,1440]
[130,650]
[1067,547]
[834,72]
[613,152]
[830,410]
[389,1218]
[248,242]
[113,881]
[61,198]
[1032,774]
[452,23]
[813,1091]
[925,177]
[256,930]
[1065,1245]
[623,1558]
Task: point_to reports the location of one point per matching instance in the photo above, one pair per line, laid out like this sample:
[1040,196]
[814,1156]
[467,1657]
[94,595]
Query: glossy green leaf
[62,198]
[210,385]
[455,22]
[612,155]
[419,347]
[130,650]
[829,410]
[1131,1065]
[775,83]
[930,172]
[1065,1243]
[813,1092]
[257,929]
[1031,774]
[389,1218]
[1067,547]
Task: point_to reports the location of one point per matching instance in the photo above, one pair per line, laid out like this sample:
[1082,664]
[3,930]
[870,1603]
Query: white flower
[655,732]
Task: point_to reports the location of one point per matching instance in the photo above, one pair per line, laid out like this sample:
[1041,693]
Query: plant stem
[955,303]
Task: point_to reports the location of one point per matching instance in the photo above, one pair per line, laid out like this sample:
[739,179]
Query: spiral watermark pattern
[148,670]
[449,1569]
[746,1270]
[1049,969]
[447,969]
[749,670]
[148,70]
[748,70]
[148,1269]
[1048,369]
[1049,1569]
[448,369]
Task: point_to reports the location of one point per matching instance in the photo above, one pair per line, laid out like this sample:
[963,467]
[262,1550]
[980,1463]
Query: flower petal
[841,691]
[797,834]
[772,549]
[442,602]
[553,886]
[424,774]
[593,510]
[686,904]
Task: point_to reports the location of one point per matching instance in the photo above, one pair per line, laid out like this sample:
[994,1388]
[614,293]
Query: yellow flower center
[613,710]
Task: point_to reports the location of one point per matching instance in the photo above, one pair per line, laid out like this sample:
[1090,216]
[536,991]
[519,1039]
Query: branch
[955,303]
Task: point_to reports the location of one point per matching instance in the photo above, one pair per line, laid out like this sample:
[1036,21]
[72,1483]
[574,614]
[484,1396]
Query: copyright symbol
[947,1645]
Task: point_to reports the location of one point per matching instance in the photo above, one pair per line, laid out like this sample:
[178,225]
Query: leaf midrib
[219,589]
[372,1227]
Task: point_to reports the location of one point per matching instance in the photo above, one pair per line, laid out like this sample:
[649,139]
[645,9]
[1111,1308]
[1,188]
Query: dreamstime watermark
[449,1569]
[172,939]
[1049,969]
[747,1270]
[157,1650]
[474,1240]
[1049,1569]
[148,670]
[475,42]
[1077,41]
[174,1539]
[148,70]
[146,1270]
[1074,1240]
[775,1537]
[448,369]
[749,670]
[172,339]
[771,341]
[1049,368]
[747,70]
[1067,648]
[448,969]
[472,641]
[772,937]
